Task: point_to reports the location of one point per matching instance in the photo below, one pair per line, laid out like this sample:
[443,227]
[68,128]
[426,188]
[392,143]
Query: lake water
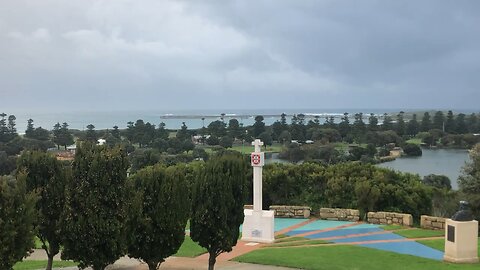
[448,162]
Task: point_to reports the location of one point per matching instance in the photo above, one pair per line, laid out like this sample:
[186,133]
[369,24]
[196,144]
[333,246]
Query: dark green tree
[469,181]
[266,138]
[438,181]
[426,123]
[344,126]
[359,127]
[61,135]
[91,134]
[438,120]
[217,129]
[47,177]
[217,206]
[450,123]
[411,149]
[473,123]
[400,125]
[94,216]
[17,218]
[161,132]
[226,141]
[7,163]
[158,213]
[259,126]
[30,129]
[460,125]
[413,127]
[115,132]
[373,122]
[387,123]
[183,133]
[234,129]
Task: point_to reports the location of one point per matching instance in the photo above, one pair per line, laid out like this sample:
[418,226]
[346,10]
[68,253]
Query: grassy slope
[344,258]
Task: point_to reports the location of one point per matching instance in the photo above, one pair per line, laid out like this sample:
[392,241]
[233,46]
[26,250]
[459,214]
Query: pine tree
[29,132]
[438,120]
[413,126]
[450,123]
[426,123]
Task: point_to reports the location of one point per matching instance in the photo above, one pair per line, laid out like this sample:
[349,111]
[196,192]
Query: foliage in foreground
[217,206]
[158,214]
[17,215]
[47,177]
[469,181]
[95,214]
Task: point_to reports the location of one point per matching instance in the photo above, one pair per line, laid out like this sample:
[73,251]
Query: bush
[412,150]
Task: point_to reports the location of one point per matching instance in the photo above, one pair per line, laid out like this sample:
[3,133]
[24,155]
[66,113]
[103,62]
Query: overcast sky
[168,55]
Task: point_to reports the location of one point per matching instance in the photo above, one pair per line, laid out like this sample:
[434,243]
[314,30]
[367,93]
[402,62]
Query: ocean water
[173,119]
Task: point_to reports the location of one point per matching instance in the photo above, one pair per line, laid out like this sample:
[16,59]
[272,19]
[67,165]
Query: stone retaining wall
[429,222]
[339,214]
[291,211]
[388,218]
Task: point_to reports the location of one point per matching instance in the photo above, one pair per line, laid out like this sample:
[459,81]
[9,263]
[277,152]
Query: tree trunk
[50,262]
[211,260]
[153,265]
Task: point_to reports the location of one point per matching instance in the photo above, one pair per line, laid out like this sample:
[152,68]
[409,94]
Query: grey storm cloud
[150,54]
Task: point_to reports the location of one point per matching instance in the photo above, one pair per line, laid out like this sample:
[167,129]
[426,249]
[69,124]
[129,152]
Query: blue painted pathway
[365,233]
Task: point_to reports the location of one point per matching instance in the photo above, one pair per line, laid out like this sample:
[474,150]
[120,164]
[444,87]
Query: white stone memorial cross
[257,160]
[258,225]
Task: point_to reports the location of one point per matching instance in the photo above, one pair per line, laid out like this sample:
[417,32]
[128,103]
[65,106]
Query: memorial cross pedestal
[461,241]
[258,225]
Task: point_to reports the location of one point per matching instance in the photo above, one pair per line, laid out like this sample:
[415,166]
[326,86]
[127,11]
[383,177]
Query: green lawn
[416,141]
[345,258]
[247,148]
[190,249]
[31,265]
[440,244]
[289,239]
[302,242]
[420,233]
[38,243]
[393,227]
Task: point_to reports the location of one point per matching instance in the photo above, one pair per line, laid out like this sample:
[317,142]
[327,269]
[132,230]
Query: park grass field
[393,227]
[416,141]
[345,258]
[190,249]
[41,264]
[419,233]
[440,244]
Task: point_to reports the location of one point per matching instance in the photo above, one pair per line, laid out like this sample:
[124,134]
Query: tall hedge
[95,214]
